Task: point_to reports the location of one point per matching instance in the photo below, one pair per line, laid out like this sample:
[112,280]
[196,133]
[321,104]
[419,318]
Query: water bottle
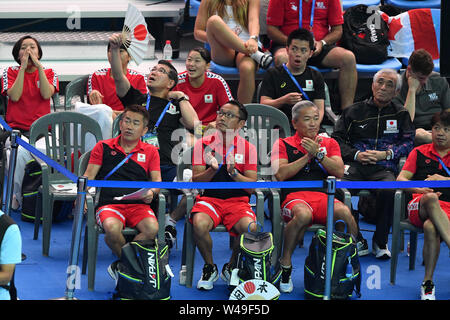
[183,275]
[349,270]
[167,51]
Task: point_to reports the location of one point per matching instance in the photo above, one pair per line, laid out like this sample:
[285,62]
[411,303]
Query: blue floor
[42,278]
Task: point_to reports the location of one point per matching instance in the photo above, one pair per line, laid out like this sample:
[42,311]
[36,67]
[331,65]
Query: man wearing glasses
[222,157]
[168,109]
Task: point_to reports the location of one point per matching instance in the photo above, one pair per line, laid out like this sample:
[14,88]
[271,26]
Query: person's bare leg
[203,224]
[431,249]
[247,69]
[345,61]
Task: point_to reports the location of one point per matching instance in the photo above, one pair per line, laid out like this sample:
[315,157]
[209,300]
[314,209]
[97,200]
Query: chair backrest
[265,124]
[83,162]
[116,126]
[76,88]
[65,137]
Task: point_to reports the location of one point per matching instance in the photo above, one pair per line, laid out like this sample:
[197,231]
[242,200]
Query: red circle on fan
[140,32]
[249,287]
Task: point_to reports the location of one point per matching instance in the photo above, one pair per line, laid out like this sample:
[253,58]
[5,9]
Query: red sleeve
[153,164]
[223,92]
[52,78]
[198,158]
[278,151]
[335,16]
[333,148]
[275,13]
[92,83]
[251,161]
[139,82]
[411,162]
[9,76]
[97,154]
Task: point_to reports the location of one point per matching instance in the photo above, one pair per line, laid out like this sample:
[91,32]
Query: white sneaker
[379,253]
[210,274]
[286,285]
[427,290]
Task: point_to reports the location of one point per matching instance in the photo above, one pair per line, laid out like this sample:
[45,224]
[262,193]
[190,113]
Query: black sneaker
[170,236]
[363,247]
[266,61]
[427,290]
[113,270]
[225,275]
[286,285]
[210,274]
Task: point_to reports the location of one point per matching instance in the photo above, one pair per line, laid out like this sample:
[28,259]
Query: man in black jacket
[373,136]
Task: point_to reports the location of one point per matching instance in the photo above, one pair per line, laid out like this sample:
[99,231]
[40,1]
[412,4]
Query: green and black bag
[144,272]
[254,258]
[346,269]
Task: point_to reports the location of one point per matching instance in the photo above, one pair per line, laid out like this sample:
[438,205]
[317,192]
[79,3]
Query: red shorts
[129,214]
[413,209]
[316,201]
[225,211]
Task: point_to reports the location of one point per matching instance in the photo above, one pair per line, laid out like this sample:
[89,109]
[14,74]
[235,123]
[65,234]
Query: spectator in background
[429,90]
[232,28]
[278,88]
[373,135]
[10,253]
[325,22]
[28,88]
[207,91]
[306,156]
[430,208]
[101,88]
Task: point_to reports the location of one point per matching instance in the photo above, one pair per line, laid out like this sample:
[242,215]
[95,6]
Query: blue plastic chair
[350,3]
[414,4]
[436,64]
[193,7]
[390,63]
[219,69]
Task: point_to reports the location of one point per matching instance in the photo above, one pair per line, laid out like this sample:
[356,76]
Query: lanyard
[295,81]
[148,101]
[118,165]
[226,156]
[300,14]
[161,116]
[443,165]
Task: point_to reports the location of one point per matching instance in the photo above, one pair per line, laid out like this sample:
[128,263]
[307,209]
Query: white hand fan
[135,36]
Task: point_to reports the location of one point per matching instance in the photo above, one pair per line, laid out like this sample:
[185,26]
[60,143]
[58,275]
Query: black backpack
[254,258]
[365,33]
[144,272]
[5,222]
[346,269]
[32,180]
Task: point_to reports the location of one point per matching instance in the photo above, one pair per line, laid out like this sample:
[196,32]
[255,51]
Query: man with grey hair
[373,135]
[306,156]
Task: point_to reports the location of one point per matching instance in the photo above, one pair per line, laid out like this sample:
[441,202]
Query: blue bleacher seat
[193,7]
[436,64]
[219,69]
[391,63]
[414,4]
[350,3]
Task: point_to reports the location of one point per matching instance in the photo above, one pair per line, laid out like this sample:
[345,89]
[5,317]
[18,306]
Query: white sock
[257,56]
[170,221]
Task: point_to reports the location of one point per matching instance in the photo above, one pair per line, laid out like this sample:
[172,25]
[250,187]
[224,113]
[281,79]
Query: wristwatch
[320,156]
[254,38]
[185,97]
[388,155]
[324,43]
[234,173]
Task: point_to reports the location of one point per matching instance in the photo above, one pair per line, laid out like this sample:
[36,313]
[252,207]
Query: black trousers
[384,197]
